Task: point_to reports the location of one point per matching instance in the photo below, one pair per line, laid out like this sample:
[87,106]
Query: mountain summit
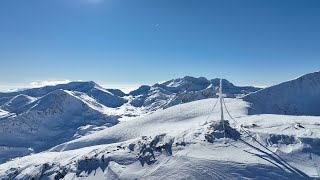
[300,96]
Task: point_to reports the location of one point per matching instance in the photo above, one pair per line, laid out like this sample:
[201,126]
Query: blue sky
[131,42]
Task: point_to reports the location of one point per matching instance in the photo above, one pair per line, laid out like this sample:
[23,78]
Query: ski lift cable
[249,134]
[229,112]
[212,110]
[242,127]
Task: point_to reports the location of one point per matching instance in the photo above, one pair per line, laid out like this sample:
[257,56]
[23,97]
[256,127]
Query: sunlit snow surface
[170,144]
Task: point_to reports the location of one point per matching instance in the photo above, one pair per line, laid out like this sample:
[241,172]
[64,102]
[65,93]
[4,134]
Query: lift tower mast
[221,96]
[221,100]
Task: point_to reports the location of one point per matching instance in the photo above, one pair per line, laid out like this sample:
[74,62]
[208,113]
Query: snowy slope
[17,103]
[300,96]
[172,144]
[53,119]
[3,113]
[166,121]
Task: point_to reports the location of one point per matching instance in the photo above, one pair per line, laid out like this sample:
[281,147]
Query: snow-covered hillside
[17,103]
[3,113]
[300,96]
[52,119]
[173,144]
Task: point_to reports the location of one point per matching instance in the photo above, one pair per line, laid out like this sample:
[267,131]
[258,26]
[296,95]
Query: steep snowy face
[182,90]
[117,92]
[3,113]
[300,96]
[16,104]
[52,119]
[189,83]
[141,90]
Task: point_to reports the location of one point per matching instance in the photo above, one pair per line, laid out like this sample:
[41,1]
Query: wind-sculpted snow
[300,96]
[172,121]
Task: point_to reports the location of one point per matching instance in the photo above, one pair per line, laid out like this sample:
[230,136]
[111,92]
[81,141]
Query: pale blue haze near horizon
[133,42]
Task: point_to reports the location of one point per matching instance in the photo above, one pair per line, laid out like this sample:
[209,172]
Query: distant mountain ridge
[52,118]
[184,90]
[102,95]
[153,97]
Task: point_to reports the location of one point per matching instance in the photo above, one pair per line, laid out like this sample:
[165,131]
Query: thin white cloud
[13,89]
[48,83]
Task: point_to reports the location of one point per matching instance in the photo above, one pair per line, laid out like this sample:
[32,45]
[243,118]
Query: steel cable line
[288,166]
[212,110]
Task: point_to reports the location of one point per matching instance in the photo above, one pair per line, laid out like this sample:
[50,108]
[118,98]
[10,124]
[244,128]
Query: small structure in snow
[221,129]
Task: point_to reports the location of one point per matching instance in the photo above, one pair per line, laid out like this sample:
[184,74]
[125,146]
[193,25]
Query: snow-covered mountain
[41,118]
[17,103]
[52,119]
[300,96]
[102,95]
[182,90]
[160,95]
